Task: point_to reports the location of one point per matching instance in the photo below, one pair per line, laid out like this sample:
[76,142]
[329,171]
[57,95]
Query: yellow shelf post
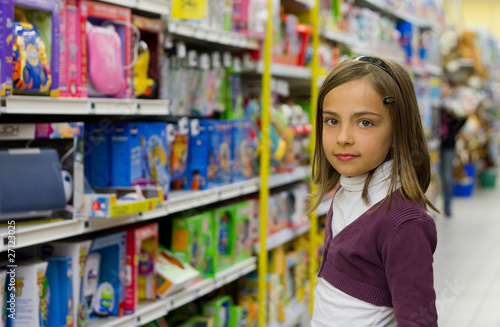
[313,231]
[264,167]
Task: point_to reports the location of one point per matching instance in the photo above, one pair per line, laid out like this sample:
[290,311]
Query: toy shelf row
[154,310]
[294,317]
[282,237]
[390,9]
[31,234]
[367,49]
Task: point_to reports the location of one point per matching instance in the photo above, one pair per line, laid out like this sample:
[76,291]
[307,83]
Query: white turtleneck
[333,307]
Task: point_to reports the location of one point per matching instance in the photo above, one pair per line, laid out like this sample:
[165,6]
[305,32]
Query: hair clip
[389,100]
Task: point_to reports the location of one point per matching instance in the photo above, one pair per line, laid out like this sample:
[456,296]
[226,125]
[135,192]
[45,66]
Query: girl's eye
[331,121]
[365,123]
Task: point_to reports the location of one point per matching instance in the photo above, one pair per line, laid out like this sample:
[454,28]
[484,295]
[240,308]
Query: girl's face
[357,129]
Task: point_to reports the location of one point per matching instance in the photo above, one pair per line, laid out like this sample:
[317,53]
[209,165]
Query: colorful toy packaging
[60,279]
[139,155]
[78,252]
[111,77]
[103,287]
[31,30]
[31,290]
[179,152]
[218,308]
[97,155]
[243,226]
[172,274]
[243,151]
[142,246]
[147,66]
[224,236]
[193,242]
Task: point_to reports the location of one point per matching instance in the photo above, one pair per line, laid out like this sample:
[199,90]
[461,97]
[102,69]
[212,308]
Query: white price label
[181,50]
[227,59]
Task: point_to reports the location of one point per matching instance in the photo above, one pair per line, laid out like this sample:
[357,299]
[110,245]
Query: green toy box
[218,308]
[243,225]
[193,243]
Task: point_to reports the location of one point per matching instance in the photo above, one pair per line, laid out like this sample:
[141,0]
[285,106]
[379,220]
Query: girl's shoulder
[403,209]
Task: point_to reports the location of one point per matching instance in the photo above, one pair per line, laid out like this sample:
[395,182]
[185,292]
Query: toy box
[224,236]
[142,245]
[103,287]
[97,154]
[199,322]
[172,274]
[27,302]
[193,242]
[66,139]
[60,279]
[243,226]
[242,151]
[73,49]
[210,155]
[179,153]
[40,37]
[235,316]
[3,277]
[139,155]
[218,308]
[78,252]
[147,67]
[112,77]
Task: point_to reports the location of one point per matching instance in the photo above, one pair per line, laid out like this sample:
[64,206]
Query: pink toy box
[107,47]
[73,50]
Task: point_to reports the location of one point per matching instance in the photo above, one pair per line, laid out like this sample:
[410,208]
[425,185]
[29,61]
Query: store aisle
[467,262]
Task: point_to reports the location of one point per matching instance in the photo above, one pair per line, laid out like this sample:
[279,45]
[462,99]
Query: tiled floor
[467,262]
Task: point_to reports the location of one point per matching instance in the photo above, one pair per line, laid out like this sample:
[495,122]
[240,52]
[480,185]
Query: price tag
[237,65]
[192,58]
[205,61]
[216,59]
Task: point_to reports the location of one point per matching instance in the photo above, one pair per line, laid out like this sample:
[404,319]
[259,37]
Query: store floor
[467,262]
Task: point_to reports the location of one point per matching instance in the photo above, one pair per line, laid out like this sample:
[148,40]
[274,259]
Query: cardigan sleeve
[408,257]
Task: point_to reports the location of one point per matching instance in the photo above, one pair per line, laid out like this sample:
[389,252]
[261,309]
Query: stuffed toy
[468,50]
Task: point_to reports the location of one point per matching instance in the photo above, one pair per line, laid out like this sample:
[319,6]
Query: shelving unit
[282,237]
[153,6]
[32,234]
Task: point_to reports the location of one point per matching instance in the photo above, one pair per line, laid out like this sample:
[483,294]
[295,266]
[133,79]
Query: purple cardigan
[385,258]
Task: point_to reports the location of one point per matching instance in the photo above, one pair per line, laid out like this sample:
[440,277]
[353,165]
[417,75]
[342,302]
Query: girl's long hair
[411,162]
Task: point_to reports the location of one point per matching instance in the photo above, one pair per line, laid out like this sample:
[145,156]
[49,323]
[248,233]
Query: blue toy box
[242,151]
[179,149]
[97,160]
[139,155]
[60,278]
[103,286]
[209,158]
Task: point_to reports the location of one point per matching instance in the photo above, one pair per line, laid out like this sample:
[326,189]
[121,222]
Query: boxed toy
[139,155]
[78,251]
[172,275]
[242,151]
[199,322]
[179,153]
[60,280]
[73,52]
[34,33]
[142,245]
[210,154]
[29,295]
[243,226]
[97,154]
[235,316]
[147,66]
[193,242]
[224,236]
[109,36]
[103,287]
[218,308]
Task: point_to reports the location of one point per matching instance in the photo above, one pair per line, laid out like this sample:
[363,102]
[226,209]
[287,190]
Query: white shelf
[27,235]
[323,208]
[282,237]
[205,33]
[160,7]
[286,71]
[295,316]
[339,36]
[148,312]
[38,105]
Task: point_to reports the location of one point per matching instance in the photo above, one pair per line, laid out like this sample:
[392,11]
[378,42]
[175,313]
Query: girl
[379,242]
